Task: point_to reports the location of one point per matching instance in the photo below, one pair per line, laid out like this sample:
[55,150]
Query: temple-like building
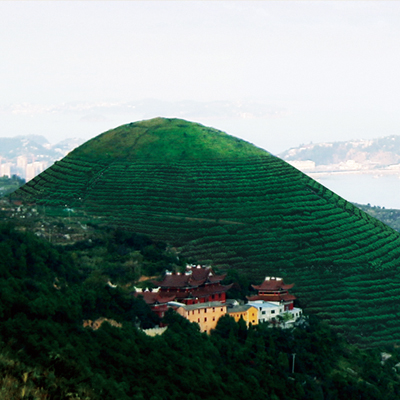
[156,301]
[197,285]
[274,290]
[247,312]
[205,314]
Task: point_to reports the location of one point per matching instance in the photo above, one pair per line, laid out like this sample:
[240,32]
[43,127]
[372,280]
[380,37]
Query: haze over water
[383,191]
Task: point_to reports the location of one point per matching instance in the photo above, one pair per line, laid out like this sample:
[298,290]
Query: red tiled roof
[207,290]
[216,278]
[271,297]
[273,285]
[197,277]
[200,273]
[181,280]
[199,292]
[155,297]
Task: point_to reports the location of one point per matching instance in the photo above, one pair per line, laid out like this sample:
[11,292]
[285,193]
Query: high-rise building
[5,169]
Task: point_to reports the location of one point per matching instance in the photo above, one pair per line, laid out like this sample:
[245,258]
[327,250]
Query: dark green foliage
[321,363]
[241,285]
[123,256]
[45,352]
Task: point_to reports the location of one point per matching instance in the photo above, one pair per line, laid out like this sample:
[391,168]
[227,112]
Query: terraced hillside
[226,202]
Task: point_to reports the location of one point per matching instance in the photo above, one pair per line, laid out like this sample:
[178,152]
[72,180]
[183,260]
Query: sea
[376,190]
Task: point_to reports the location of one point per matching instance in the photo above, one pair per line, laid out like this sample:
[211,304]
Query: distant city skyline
[325,71]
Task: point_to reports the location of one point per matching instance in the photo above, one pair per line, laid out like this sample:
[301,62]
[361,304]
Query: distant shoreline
[376,173]
[378,187]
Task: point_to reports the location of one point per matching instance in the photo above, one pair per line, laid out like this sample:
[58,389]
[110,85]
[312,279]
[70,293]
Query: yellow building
[247,312]
[204,314]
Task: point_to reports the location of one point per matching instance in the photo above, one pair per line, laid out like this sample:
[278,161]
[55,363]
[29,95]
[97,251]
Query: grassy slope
[165,141]
[224,201]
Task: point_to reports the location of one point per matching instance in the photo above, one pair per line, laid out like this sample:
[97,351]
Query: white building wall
[5,170]
[267,310]
[30,172]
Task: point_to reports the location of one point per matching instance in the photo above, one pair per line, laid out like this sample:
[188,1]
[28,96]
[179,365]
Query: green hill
[226,202]
[165,141]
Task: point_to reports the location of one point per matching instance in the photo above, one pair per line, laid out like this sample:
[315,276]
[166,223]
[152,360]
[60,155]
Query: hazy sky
[323,71]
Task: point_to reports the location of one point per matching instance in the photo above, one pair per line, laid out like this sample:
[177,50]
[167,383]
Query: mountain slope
[165,141]
[226,202]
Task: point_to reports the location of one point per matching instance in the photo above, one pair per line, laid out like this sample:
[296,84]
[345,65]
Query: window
[205,319]
[263,312]
[213,318]
[199,311]
[213,309]
[198,320]
[272,311]
[205,310]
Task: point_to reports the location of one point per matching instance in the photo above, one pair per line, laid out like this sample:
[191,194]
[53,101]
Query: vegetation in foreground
[46,353]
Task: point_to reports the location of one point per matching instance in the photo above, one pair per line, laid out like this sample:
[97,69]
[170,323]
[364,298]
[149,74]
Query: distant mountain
[34,146]
[26,156]
[65,146]
[366,154]
[226,202]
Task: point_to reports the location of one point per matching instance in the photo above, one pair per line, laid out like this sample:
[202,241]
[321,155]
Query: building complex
[199,296]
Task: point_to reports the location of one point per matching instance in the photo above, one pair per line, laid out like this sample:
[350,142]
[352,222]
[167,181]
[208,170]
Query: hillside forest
[48,290]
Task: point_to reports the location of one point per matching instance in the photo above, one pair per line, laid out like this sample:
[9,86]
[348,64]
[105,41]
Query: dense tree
[45,296]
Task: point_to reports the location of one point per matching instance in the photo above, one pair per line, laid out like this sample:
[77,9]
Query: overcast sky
[318,71]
